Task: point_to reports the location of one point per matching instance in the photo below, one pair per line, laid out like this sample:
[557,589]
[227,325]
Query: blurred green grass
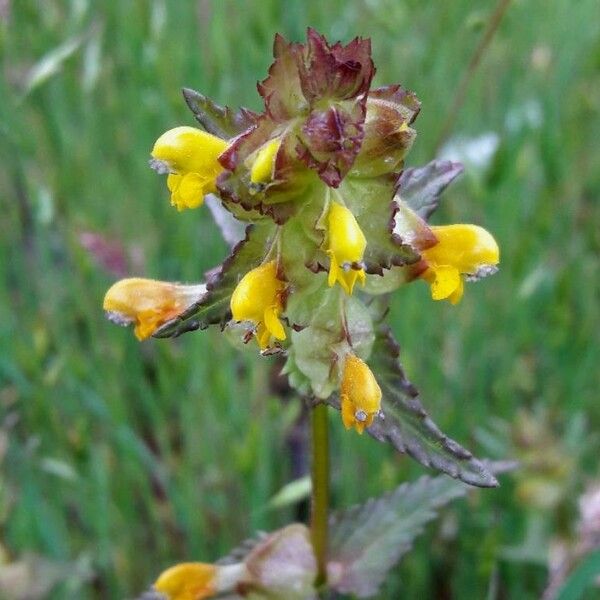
[130,457]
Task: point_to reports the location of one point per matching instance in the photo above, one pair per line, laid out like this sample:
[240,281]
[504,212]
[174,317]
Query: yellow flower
[148,303]
[190,156]
[258,298]
[461,250]
[347,245]
[262,167]
[195,581]
[187,581]
[360,394]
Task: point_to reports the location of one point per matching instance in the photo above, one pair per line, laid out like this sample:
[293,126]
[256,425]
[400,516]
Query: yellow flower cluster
[191,157]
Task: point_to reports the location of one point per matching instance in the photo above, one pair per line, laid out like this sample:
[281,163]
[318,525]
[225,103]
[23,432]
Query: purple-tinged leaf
[248,142]
[405,424]
[281,90]
[213,308]
[277,198]
[330,140]
[403,101]
[421,187]
[283,565]
[387,133]
[218,120]
[334,72]
[367,540]
[410,229]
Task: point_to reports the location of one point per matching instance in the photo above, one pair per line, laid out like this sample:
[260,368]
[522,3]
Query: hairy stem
[320,488]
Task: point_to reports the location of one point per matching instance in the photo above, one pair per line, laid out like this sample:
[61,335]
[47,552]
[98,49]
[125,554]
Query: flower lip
[259,298]
[190,158]
[463,252]
[360,394]
[346,246]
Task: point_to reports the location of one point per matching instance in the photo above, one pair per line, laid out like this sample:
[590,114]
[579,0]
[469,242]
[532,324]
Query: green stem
[320,488]
[461,90]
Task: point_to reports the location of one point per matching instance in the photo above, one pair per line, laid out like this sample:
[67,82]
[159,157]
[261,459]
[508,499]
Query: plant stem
[320,488]
[461,90]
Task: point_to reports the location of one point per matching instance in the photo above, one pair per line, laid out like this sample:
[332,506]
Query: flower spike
[360,394]
[462,250]
[258,298]
[347,245]
[189,155]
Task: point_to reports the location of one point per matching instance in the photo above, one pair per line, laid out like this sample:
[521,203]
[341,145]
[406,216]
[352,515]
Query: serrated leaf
[335,71]
[214,308]
[239,553]
[367,540]
[421,187]
[218,120]
[281,90]
[279,198]
[406,425]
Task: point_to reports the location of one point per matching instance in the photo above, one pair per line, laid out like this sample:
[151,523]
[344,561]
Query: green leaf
[291,493]
[218,120]
[406,425]
[368,539]
[421,187]
[583,577]
[213,308]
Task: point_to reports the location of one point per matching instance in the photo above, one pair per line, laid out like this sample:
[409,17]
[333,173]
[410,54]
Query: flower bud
[187,581]
[346,247]
[189,155]
[360,394]
[264,162]
[148,303]
[462,250]
[258,297]
[387,132]
[195,581]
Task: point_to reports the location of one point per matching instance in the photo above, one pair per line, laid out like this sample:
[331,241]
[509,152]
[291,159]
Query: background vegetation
[119,459]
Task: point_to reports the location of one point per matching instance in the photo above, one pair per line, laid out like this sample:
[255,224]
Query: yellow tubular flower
[148,303]
[360,394]
[346,245]
[258,298]
[190,155]
[187,581]
[262,167]
[461,250]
